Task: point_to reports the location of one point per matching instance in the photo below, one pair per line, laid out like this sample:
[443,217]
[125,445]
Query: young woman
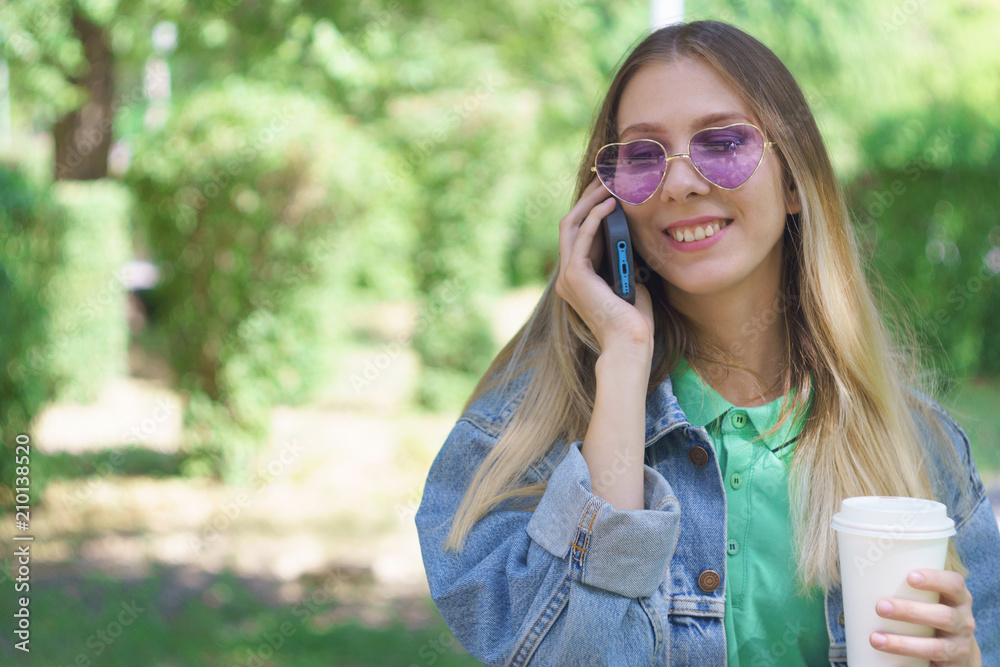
[654,484]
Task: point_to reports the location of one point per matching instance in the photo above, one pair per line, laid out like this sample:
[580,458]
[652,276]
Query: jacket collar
[663,413]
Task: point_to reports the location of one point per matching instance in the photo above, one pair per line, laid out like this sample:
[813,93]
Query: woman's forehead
[680,96]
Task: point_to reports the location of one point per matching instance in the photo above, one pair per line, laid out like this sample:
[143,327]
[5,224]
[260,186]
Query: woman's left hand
[953,642]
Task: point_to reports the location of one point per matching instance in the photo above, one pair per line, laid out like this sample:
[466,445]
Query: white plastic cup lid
[895,516]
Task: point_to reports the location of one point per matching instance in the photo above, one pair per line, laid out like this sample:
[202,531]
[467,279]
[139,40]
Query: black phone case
[617,267]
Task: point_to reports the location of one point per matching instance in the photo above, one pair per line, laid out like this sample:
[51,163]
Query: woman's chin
[685,285]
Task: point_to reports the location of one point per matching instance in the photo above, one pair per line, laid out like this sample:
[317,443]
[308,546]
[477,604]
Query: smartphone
[618,267]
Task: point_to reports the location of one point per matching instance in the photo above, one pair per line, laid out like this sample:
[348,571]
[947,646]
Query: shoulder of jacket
[926,408]
[491,414]
[951,466]
[492,411]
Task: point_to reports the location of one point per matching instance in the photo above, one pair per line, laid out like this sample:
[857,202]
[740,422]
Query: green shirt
[767,622]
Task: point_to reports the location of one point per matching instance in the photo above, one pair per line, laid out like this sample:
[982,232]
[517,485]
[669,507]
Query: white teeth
[698,233]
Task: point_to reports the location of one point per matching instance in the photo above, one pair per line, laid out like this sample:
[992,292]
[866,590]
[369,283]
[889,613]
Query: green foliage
[484,108]
[220,440]
[62,312]
[256,205]
[927,213]
[938,252]
[87,294]
[489,106]
[28,250]
[38,39]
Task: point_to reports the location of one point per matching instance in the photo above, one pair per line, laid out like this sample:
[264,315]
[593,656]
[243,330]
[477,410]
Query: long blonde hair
[840,351]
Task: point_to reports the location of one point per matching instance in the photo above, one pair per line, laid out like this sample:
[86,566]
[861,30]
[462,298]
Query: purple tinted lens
[631,171]
[729,156]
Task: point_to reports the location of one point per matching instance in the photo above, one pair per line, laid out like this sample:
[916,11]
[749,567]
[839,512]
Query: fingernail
[884,607]
[879,640]
[916,578]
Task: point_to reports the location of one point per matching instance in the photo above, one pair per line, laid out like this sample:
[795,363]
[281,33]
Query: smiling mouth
[698,232]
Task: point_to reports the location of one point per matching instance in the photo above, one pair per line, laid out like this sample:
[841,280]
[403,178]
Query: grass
[221,623]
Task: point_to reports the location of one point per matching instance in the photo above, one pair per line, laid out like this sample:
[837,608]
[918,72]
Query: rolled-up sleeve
[560,584]
[625,552]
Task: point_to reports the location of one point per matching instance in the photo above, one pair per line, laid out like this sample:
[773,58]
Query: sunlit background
[254,256]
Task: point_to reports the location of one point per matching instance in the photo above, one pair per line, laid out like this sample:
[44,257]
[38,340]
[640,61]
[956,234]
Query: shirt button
[732,547]
[709,580]
[735,480]
[698,456]
[739,419]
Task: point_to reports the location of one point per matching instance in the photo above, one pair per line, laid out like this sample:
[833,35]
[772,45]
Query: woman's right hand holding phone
[613,446]
[615,323]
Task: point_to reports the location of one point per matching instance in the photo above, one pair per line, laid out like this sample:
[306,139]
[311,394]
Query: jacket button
[698,456]
[841,618]
[709,580]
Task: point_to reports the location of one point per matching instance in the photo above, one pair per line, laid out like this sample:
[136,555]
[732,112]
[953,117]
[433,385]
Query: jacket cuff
[626,552]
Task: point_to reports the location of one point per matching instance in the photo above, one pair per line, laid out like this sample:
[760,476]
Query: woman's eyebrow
[705,121]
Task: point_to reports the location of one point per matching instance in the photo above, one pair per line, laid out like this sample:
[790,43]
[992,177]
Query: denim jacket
[577,582]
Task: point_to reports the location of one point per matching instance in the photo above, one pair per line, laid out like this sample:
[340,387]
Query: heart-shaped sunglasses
[726,156]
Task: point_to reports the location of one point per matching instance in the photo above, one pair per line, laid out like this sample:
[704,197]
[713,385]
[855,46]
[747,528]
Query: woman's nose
[682,179]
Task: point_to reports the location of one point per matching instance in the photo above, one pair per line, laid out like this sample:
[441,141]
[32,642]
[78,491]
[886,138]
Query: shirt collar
[701,405]
[699,401]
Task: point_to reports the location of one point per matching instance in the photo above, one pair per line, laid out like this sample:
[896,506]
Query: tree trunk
[83,137]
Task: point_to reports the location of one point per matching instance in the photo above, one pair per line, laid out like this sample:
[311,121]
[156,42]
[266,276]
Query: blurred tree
[65,58]
[82,136]
[62,40]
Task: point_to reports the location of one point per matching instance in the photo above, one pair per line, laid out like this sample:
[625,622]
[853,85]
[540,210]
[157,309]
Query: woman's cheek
[653,251]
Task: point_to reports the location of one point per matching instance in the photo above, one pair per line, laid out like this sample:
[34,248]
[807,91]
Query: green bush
[86,291]
[258,207]
[29,249]
[63,329]
[927,216]
[469,148]
[936,248]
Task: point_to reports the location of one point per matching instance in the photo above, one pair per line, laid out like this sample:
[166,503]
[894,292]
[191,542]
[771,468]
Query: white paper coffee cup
[881,540]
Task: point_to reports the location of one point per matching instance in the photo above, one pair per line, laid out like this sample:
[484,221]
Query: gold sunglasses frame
[687,155]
